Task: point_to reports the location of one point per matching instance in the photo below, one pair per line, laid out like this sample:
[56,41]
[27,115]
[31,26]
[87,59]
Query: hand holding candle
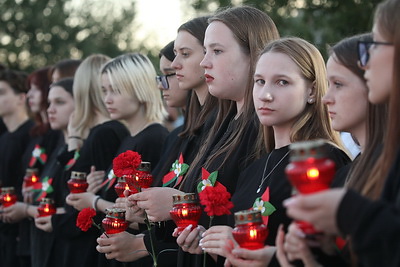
[249,231]
[310,171]
[31,177]
[115,222]
[77,183]
[8,196]
[186,211]
[46,207]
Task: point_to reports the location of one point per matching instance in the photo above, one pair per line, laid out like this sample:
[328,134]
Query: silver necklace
[265,177]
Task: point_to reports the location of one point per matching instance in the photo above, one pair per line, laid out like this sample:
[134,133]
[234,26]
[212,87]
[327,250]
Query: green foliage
[322,22]
[35,33]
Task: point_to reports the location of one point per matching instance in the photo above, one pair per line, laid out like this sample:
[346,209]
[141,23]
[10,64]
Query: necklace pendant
[258,190]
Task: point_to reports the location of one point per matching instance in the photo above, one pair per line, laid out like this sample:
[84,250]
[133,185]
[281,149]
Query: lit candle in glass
[8,196]
[142,178]
[309,171]
[77,183]
[31,177]
[186,210]
[46,207]
[249,231]
[114,222]
[121,186]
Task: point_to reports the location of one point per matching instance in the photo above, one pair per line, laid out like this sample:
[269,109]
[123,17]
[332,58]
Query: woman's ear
[311,93]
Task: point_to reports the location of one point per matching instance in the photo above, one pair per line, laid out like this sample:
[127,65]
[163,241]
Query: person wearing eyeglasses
[174,98]
[373,225]
[350,111]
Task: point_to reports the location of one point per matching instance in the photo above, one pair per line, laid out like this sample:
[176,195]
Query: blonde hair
[313,122]
[87,94]
[134,74]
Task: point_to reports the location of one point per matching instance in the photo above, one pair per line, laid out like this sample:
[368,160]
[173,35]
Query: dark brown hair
[388,22]
[42,80]
[360,175]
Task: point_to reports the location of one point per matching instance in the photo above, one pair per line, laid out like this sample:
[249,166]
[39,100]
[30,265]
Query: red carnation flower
[126,163]
[216,200]
[85,219]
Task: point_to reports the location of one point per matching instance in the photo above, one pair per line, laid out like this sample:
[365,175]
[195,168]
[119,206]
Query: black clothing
[228,174]
[279,186]
[374,226]
[13,146]
[168,155]
[51,251]
[148,143]
[98,150]
[45,143]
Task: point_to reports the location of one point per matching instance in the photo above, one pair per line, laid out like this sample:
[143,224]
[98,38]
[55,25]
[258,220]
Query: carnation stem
[153,254]
[205,253]
[100,228]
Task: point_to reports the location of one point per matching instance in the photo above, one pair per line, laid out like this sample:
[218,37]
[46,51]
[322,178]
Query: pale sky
[160,19]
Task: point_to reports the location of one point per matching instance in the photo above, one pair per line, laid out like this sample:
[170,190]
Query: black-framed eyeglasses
[163,79]
[363,50]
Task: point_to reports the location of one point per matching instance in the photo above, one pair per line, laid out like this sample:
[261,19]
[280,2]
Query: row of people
[250,95]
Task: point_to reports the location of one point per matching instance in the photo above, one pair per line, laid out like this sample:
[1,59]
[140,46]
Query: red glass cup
[141,179]
[309,171]
[31,177]
[249,231]
[8,196]
[186,211]
[114,222]
[121,186]
[77,183]
[46,207]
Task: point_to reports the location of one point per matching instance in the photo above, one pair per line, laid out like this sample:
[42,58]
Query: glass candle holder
[249,231]
[142,178]
[114,222]
[186,210]
[46,207]
[309,171]
[8,196]
[77,183]
[31,177]
[121,186]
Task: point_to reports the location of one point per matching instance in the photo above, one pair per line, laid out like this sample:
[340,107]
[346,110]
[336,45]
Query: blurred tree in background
[322,22]
[35,33]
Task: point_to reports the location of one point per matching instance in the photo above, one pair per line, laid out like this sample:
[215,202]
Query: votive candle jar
[186,210]
[77,183]
[115,222]
[121,186]
[309,171]
[249,231]
[31,177]
[46,207]
[8,196]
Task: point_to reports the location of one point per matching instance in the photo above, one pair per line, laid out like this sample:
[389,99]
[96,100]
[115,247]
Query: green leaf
[269,209]
[199,186]
[213,177]
[184,168]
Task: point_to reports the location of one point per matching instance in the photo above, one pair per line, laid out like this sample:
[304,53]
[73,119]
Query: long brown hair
[196,114]
[388,22]
[313,123]
[252,29]
[360,176]
[40,78]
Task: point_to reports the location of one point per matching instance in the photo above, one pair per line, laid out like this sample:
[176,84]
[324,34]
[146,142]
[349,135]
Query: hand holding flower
[215,238]
[156,201]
